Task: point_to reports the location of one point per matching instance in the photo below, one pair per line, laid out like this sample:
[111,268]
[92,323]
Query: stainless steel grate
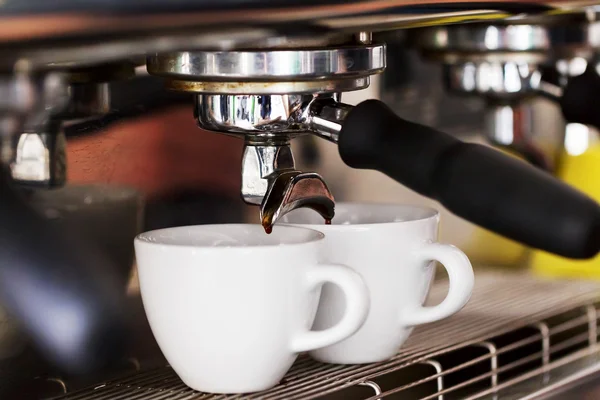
[515,328]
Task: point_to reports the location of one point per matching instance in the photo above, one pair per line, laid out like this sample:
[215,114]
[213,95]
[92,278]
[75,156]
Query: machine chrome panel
[493,79]
[260,116]
[270,65]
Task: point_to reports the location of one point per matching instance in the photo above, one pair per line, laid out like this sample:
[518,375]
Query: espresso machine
[268,72]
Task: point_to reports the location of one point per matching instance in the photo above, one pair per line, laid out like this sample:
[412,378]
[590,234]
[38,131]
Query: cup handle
[357,307]
[460,273]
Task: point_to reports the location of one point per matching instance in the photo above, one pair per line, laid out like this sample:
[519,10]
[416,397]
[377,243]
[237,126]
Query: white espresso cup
[393,248]
[231,307]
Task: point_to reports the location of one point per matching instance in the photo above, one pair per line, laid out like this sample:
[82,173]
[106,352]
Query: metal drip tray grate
[515,329]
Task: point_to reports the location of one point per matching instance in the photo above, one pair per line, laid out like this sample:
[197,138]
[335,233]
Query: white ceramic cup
[393,248]
[231,307]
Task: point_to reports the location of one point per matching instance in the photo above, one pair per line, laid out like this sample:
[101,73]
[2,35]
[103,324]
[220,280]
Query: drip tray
[518,336]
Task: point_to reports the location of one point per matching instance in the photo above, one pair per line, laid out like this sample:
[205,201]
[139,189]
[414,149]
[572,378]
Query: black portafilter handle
[476,182]
[59,289]
[580,101]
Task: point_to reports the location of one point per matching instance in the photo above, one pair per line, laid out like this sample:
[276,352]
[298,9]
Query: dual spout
[267,123]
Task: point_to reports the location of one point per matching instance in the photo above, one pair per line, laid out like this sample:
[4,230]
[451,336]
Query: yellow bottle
[579,166]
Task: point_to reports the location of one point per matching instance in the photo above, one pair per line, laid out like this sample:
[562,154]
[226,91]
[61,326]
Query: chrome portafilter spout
[292,190]
[270,180]
[267,123]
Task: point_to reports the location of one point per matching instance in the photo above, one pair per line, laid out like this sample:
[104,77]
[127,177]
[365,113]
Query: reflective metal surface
[269,180]
[502,62]
[324,118]
[571,67]
[484,37]
[260,164]
[292,190]
[34,145]
[40,159]
[89,87]
[507,125]
[265,116]
[267,124]
[271,116]
[18,93]
[270,88]
[52,98]
[505,84]
[503,80]
[568,35]
[87,100]
[270,65]
[22,94]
